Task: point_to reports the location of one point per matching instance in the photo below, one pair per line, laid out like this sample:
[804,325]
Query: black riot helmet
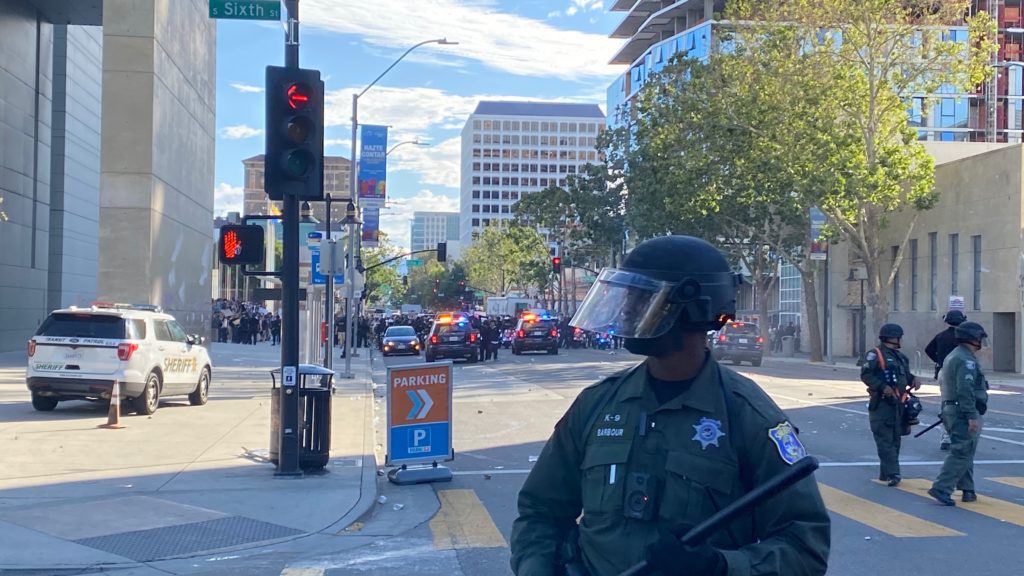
[954,318]
[670,283]
[971,332]
[890,332]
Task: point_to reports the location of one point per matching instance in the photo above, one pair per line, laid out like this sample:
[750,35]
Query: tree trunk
[762,310]
[811,304]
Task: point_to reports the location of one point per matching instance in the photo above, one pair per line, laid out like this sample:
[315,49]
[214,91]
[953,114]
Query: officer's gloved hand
[671,557]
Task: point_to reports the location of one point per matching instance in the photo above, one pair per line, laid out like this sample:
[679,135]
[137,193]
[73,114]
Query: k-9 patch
[790,448]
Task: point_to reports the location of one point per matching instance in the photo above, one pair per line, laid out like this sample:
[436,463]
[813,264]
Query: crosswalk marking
[463,522]
[1015,481]
[302,572]
[992,507]
[881,518]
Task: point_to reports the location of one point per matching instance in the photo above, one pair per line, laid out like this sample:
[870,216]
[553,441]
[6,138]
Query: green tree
[383,283]
[437,288]
[876,55]
[508,258]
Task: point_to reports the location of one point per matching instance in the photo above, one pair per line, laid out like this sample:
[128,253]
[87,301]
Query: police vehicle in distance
[452,336]
[535,332]
[739,342]
[78,354]
[400,340]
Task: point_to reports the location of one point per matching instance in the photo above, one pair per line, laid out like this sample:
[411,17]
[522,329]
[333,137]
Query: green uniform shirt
[961,381]
[873,376]
[688,445]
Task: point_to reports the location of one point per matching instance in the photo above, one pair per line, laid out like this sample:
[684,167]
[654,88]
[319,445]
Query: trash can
[314,416]
[788,346]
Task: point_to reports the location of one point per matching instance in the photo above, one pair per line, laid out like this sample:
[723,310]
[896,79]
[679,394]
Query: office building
[510,149]
[101,105]
[336,183]
[429,228]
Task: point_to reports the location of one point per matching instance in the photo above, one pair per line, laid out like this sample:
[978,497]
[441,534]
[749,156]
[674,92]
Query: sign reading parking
[419,413]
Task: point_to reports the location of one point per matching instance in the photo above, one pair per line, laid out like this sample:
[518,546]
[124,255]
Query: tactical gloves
[671,557]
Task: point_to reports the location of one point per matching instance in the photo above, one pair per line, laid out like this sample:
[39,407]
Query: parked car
[452,336]
[78,353]
[400,340]
[739,342]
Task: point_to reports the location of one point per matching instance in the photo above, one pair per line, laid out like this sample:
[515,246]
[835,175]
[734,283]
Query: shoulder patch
[871,356]
[970,364]
[789,446]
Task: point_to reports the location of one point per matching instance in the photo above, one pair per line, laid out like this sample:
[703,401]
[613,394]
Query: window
[476,166]
[933,268]
[476,222]
[913,274]
[476,194]
[476,124]
[895,281]
[476,208]
[504,209]
[976,252]
[162,332]
[954,264]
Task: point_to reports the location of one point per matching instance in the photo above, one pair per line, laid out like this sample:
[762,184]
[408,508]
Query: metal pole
[288,458]
[828,309]
[351,262]
[329,297]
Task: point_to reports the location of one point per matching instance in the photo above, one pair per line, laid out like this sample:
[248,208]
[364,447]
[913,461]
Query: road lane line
[861,464]
[1015,481]
[1005,430]
[491,472]
[1001,510]
[881,518]
[302,572]
[1005,440]
[463,522]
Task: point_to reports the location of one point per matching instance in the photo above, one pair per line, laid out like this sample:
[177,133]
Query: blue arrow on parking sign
[421,404]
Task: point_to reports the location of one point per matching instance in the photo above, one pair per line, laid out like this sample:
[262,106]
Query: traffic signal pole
[288,456]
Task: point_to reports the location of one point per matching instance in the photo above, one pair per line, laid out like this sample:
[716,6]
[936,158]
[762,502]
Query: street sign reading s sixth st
[246,9]
[419,414]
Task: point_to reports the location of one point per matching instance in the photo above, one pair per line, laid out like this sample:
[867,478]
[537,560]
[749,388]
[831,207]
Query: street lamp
[351,220]
[415,142]
[354,198]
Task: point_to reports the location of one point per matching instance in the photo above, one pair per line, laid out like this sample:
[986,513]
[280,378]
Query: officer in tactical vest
[941,345]
[964,401]
[886,372]
[654,450]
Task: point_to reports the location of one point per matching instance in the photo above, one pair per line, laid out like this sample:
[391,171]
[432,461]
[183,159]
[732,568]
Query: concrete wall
[981,194]
[158,155]
[26,72]
[75,166]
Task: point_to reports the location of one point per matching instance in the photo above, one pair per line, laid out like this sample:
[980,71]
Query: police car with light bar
[535,332]
[78,354]
[452,336]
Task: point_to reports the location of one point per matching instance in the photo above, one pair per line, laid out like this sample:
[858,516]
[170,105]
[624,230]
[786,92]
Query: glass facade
[790,296]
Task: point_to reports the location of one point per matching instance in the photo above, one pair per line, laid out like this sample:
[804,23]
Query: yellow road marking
[463,522]
[302,572]
[881,518]
[1015,481]
[993,508]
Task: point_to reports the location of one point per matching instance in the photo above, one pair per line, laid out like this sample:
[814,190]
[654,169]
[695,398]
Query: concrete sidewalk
[182,483]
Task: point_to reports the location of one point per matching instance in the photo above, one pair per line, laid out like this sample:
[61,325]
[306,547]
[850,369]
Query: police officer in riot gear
[886,372]
[941,345]
[649,452]
[964,401]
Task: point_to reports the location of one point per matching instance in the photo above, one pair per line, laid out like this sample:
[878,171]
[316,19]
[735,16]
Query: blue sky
[508,49]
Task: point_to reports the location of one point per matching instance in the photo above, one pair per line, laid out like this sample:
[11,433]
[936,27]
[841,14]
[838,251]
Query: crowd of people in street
[245,323]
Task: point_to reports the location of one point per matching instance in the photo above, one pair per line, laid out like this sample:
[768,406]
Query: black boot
[969,496]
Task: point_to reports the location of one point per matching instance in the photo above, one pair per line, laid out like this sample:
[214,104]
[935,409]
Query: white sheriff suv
[78,353]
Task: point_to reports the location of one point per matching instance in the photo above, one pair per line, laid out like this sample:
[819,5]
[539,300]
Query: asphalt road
[504,411]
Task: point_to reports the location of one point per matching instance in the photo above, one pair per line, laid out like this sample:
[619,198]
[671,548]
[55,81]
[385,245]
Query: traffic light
[442,251]
[241,245]
[437,285]
[556,265]
[405,281]
[294,164]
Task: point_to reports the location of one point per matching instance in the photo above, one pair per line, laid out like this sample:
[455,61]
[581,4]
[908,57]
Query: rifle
[918,435]
[802,469]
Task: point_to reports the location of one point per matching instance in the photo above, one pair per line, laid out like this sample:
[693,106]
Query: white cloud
[571,11]
[240,132]
[524,47]
[588,5]
[228,198]
[395,219]
[554,14]
[246,88]
[437,165]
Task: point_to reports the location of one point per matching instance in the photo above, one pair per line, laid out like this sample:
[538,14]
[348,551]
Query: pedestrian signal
[241,245]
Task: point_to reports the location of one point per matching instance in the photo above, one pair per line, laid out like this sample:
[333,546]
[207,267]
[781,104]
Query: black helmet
[912,408]
[888,331]
[707,283]
[954,318]
[970,332]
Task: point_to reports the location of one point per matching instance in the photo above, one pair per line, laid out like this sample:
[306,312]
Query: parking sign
[419,413]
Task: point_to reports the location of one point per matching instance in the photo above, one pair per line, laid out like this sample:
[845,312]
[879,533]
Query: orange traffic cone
[114,413]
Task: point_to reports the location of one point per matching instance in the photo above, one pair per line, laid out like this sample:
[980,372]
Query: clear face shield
[629,305]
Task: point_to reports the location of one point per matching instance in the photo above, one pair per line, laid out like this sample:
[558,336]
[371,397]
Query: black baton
[795,473]
[918,435]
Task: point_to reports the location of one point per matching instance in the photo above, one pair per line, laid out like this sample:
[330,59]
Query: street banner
[419,414]
[373,165]
[819,246]
[371,226]
[957,303]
